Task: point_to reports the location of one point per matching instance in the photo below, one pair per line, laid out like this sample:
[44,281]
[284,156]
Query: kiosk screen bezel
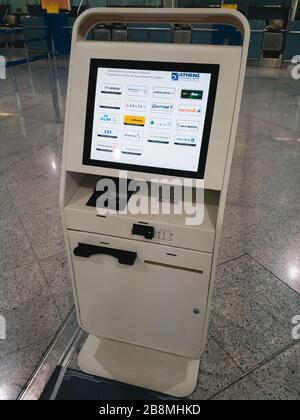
[212,69]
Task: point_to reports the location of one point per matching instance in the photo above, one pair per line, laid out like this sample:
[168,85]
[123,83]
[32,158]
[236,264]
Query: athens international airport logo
[2,67]
[185,76]
[296,67]
[2,328]
[161,196]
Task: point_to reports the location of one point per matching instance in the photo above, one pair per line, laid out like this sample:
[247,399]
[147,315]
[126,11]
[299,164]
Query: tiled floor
[35,295]
[250,353]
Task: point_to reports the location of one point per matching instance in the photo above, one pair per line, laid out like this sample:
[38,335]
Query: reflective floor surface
[251,353]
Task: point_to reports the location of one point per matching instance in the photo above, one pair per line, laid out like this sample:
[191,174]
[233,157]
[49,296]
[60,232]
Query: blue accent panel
[256,38]
[202,34]
[215,35]
[292,41]
[58,32]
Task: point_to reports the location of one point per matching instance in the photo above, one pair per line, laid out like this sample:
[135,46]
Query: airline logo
[160,123]
[158,138]
[136,106]
[109,118]
[110,104]
[110,133]
[129,149]
[104,147]
[187,125]
[111,89]
[137,90]
[191,94]
[134,120]
[162,108]
[187,76]
[189,109]
[133,135]
[161,92]
[185,141]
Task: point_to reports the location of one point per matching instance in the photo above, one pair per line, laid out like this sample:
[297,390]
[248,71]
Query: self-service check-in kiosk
[143,282]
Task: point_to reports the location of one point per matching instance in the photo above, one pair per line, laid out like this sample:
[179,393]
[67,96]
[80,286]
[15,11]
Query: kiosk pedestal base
[139,366]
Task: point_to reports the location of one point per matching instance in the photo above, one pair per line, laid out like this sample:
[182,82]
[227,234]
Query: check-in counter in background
[257,28]
[292,41]
[203,33]
[140,32]
[215,35]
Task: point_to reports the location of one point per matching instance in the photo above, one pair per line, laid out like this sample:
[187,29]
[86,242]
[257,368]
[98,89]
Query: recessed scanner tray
[114,200]
[81,214]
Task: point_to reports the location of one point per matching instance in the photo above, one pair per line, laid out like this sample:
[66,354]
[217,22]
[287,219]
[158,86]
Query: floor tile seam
[231,259]
[273,274]
[256,367]
[272,123]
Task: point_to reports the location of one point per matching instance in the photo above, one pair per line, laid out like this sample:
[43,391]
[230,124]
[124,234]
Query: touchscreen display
[154,118]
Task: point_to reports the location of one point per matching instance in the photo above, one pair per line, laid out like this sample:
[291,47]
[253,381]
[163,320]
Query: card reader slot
[87,250]
[174,267]
[143,230]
